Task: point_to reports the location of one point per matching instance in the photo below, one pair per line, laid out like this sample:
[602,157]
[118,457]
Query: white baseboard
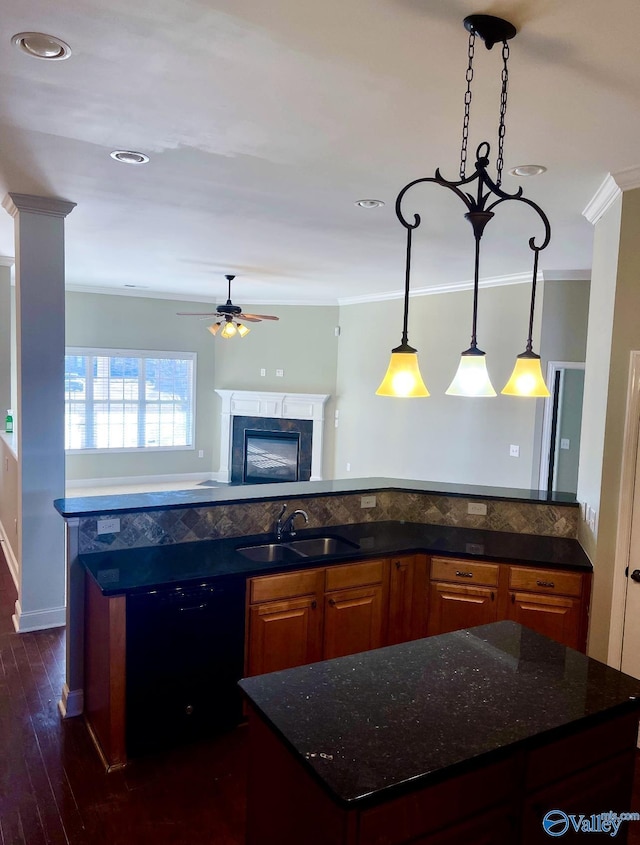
[38,620]
[71,702]
[140,479]
[12,561]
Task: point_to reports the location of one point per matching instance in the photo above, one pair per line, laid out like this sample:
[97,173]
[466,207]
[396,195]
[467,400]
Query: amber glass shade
[229,330]
[403,377]
[243,331]
[214,329]
[526,378]
[471,378]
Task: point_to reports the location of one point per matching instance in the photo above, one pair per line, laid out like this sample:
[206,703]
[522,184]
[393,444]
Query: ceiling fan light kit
[472,377]
[229,324]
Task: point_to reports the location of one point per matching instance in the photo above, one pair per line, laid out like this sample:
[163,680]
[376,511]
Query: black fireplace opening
[270,450]
[271,456]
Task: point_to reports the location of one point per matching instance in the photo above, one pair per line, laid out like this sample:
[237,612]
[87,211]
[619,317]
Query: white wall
[440,438]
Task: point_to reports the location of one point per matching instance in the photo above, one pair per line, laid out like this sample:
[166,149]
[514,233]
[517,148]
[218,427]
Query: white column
[5,336]
[39,417]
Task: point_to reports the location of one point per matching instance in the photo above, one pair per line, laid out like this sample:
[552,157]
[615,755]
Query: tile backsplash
[183,525]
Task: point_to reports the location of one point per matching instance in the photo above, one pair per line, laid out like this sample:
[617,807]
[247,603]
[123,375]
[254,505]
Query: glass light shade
[214,329]
[243,331]
[472,378]
[526,378]
[229,330]
[403,376]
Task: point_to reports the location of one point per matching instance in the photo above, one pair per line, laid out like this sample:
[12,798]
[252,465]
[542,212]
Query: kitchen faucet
[287,526]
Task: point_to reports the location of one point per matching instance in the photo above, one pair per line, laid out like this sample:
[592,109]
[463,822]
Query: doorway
[561,427]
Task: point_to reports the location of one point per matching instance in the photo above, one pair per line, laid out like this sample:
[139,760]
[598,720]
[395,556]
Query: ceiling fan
[231,315]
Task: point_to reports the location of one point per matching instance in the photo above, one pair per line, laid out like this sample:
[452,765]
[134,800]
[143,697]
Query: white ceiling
[265,121]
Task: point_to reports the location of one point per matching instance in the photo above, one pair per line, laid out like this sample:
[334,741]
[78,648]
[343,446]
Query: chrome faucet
[287,526]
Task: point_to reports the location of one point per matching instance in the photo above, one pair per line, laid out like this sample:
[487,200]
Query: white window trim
[140,353]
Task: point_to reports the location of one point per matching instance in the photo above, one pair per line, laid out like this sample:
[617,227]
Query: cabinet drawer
[545,581]
[287,585]
[464,571]
[354,575]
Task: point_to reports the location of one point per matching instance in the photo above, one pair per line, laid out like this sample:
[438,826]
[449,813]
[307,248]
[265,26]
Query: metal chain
[467,108]
[503,111]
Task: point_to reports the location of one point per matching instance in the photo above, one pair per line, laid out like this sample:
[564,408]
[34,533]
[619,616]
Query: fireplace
[270,437]
[269,450]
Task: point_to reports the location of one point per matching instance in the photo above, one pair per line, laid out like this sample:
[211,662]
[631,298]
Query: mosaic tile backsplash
[184,525]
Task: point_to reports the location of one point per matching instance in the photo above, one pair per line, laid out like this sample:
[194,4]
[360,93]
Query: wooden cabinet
[462,594]
[354,618]
[465,593]
[554,603]
[284,621]
[408,598]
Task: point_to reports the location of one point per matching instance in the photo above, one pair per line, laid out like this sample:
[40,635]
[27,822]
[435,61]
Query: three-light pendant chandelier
[403,376]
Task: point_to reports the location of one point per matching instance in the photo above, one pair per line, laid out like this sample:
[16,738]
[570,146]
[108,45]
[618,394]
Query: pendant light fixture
[480,200]
[403,376]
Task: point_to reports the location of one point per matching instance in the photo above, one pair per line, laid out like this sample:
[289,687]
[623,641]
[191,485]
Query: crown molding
[613,185]
[189,297]
[14,203]
[490,282]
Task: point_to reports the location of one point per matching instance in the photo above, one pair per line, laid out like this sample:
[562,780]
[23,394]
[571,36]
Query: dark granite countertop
[232,494]
[128,570]
[372,725]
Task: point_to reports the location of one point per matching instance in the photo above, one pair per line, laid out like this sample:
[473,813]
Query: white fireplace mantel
[262,403]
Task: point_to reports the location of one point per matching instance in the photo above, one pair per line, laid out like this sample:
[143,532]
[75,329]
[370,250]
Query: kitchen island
[467,737]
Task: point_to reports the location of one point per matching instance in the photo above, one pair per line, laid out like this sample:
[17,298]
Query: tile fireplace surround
[277,406]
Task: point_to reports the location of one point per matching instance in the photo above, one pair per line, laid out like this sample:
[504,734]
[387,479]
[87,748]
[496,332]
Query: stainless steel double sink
[295,549]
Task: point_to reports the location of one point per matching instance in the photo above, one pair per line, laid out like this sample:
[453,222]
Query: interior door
[631,633]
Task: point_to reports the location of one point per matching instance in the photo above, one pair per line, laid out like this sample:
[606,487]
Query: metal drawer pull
[464,574]
[314,604]
[545,583]
[332,602]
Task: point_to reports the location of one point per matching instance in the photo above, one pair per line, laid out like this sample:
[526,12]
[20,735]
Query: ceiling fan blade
[196,313]
[250,318]
[261,316]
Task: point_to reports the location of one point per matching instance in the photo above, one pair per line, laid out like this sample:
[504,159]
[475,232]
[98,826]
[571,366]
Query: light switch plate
[109,526]
[477,508]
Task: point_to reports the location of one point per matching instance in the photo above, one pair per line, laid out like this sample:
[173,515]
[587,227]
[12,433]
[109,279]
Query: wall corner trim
[613,185]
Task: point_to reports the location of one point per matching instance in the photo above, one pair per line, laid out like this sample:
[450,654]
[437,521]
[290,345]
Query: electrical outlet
[565,443]
[263,372]
[348,467]
[591,518]
[201,453]
[477,508]
[514,451]
[367,501]
[109,526]
[280,373]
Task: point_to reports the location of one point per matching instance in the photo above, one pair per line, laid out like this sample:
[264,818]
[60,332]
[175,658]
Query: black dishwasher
[185,651]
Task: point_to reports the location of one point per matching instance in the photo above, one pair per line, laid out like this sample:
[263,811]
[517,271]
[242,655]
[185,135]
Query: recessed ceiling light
[369,203]
[39,45]
[528,170]
[129,157]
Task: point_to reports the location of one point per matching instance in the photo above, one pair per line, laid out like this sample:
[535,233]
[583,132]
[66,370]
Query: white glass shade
[229,330]
[526,378]
[403,378]
[472,378]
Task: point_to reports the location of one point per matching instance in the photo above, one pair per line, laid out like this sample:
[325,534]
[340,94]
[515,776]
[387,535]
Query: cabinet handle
[332,602]
[545,583]
[513,598]
[314,604]
[464,574]
[399,564]
[493,598]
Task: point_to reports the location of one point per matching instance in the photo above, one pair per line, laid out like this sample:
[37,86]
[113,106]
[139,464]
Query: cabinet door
[454,606]
[284,634]
[557,617]
[353,621]
[408,594]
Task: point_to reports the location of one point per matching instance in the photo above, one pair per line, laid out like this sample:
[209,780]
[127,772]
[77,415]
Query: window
[127,399]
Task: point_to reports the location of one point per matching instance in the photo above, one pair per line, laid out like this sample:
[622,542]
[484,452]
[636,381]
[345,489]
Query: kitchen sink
[315,546]
[270,553]
[295,549]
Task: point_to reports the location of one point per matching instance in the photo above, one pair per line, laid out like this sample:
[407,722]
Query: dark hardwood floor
[54,790]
